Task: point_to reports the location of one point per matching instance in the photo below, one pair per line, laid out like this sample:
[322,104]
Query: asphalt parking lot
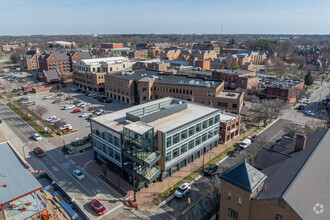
[81,125]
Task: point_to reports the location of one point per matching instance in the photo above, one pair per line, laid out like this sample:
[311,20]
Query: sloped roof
[244,176]
[85,54]
[52,74]
[18,178]
[268,157]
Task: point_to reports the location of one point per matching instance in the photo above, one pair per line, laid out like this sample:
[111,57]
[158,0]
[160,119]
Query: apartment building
[61,60]
[113,49]
[135,53]
[170,54]
[63,44]
[288,181]
[29,60]
[89,74]
[9,48]
[245,59]
[204,64]
[243,79]
[230,125]
[186,55]
[154,139]
[287,90]
[142,86]
[207,45]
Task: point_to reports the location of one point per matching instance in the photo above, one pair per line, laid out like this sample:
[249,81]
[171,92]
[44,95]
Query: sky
[33,17]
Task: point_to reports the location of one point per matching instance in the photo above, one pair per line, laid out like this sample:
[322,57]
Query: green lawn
[30,121]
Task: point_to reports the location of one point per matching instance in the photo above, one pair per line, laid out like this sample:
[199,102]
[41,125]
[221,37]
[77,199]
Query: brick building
[50,76]
[186,55]
[155,65]
[29,61]
[243,79]
[204,64]
[287,90]
[207,45]
[135,53]
[61,44]
[230,126]
[9,48]
[142,86]
[112,45]
[288,181]
[61,60]
[89,74]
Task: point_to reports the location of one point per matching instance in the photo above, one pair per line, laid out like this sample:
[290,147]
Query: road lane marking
[192,205]
[82,195]
[48,171]
[320,95]
[54,168]
[110,211]
[275,135]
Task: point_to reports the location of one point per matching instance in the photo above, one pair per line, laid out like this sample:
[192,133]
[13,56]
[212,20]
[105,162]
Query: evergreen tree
[309,79]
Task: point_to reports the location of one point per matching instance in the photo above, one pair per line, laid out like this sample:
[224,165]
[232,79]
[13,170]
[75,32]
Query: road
[19,133]
[180,209]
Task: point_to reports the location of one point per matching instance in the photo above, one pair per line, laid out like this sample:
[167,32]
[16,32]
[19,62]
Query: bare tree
[264,111]
[59,124]
[297,93]
[285,48]
[40,110]
[278,106]
[292,129]
[314,126]
[214,198]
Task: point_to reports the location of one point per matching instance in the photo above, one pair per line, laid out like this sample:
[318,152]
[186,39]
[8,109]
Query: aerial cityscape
[188,110]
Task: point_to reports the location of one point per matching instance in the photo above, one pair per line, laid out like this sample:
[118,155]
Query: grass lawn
[30,121]
[161,197]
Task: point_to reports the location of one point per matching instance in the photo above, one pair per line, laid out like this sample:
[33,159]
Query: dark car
[235,152]
[0,121]
[210,169]
[39,152]
[301,107]
[105,100]
[25,93]
[253,138]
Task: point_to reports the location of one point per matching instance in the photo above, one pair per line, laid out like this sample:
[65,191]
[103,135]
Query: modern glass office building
[155,139]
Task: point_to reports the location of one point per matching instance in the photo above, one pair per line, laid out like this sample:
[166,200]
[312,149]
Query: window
[228,128]
[210,121]
[232,214]
[204,137]
[225,104]
[198,141]
[116,141]
[183,148]
[229,195]
[169,140]
[191,144]
[175,138]
[239,202]
[168,156]
[237,123]
[278,217]
[198,128]
[204,124]
[234,106]
[183,135]
[117,156]
[110,152]
[144,89]
[175,153]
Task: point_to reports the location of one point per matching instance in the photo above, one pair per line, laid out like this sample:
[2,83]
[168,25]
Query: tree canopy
[309,79]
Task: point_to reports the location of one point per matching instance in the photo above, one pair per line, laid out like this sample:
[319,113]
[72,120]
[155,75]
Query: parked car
[97,207]
[25,93]
[307,101]
[47,97]
[60,94]
[253,138]
[85,115]
[52,119]
[301,107]
[99,112]
[235,152]
[37,137]
[56,101]
[73,89]
[91,94]
[105,100]
[78,174]
[76,110]
[302,100]
[66,128]
[245,143]
[307,112]
[30,103]
[39,152]
[210,169]
[182,190]
[68,98]
[68,107]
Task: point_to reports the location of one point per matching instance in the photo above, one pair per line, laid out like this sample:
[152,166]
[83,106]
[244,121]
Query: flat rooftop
[194,111]
[104,59]
[284,84]
[229,94]
[224,116]
[167,79]
[235,72]
[18,178]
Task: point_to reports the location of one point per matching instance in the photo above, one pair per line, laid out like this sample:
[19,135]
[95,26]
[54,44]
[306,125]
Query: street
[19,133]
[180,209]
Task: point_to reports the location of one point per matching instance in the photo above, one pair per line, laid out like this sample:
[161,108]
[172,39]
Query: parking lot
[80,124]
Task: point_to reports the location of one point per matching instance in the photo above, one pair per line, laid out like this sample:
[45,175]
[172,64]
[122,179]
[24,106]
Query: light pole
[134,188]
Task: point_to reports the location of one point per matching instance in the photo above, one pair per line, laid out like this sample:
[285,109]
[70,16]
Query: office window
[217,119]
[175,153]
[225,104]
[175,138]
[191,144]
[169,141]
[229,195]
[239,202]
[117,156]
[183,148]
[198,128]
[110,152]
[168,156]
[232,214]
[198,141]
[228,128]
[116,141]
[204,137]
[183,135]
[191,131]
[234,106]
[237,123]
[279,217]
[210,121]
[204,125]
[144,89]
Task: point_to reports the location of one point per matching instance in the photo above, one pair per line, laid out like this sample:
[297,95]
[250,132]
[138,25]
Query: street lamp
[134,188]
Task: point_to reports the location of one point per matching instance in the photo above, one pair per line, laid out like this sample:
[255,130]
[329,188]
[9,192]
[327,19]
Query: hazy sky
[28,17]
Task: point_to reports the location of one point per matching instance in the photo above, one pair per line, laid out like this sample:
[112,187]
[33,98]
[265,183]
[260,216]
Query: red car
[39,152]
[97,207]
[76,110]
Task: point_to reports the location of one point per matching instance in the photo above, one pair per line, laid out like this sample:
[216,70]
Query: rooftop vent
[230,94]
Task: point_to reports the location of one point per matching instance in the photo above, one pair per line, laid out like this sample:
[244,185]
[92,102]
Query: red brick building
[29,61]
[112,45]
[230,124]
[62,60]
[243,79]
[287,90]
[136,53]
[204,64]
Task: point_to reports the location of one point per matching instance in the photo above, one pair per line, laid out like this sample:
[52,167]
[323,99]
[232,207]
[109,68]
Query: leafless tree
[278,105]
[40,110]
[314,126]
[297,92]
[285,48]
[264,110]
[214,198]
[299,60]
[279,65]
[59,124]
[292,129]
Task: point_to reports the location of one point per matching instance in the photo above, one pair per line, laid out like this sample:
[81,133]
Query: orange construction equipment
[133,204]
[45,215]
[4,183]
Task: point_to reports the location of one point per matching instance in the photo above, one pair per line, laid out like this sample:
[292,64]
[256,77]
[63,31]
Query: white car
[302,100]
[307,101]
[99,112]
[47,97]
[73,89]
[309,113]
[37,137]
[85,115]
[182,190]
[78,174]
[68,107]
[52,119]
[245,143]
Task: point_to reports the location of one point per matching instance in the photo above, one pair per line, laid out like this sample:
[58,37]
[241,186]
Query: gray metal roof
[18,178]
[244,176]
[52,74]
